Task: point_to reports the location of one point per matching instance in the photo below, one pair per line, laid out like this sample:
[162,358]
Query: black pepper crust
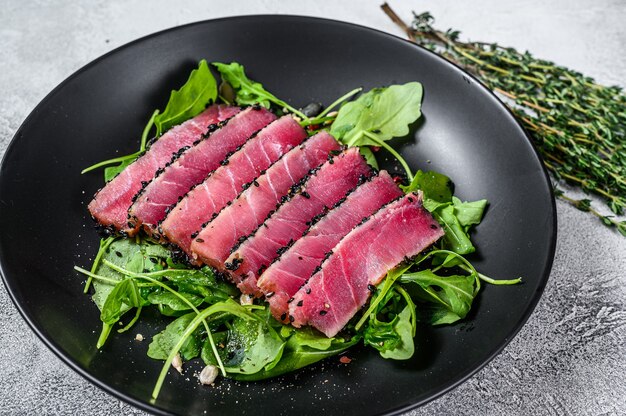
[330,253]
[245,187]
[224,162]
[295,189]
[326,211]
[175,156]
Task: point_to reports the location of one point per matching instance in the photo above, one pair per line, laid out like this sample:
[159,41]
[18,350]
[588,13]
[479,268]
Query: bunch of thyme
[578,126]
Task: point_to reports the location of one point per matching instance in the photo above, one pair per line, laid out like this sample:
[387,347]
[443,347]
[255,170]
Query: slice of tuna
[336,292]
[110,205]
[286,275]
[338,176]
[226,182]
[193,166]
[251,208]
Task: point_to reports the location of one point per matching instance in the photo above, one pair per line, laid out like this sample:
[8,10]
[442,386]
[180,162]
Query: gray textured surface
[570,358]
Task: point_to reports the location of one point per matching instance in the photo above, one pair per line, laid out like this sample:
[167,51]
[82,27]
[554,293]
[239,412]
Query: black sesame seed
[323,312]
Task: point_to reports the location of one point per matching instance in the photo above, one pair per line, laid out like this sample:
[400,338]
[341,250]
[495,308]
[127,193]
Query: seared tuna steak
[320,192]
[286,275]
[110,205]
[226,182]
[362,258]
[251,208]
[193,166]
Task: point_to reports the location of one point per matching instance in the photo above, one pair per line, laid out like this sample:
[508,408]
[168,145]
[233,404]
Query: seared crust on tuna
[362,258]
[338,176]
[214,243]
[225,183]
[194,165]
[289,272]
[110,205]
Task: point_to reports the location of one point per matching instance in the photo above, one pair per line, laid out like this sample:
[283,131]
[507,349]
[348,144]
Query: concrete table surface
[570,358]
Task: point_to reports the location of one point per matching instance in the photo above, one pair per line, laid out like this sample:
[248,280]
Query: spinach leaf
[249,92]
[130,254]
[454,293]
[219,309]
[123,297]
[383,112]
[204,283]
[187,102]
[174,302]
[379,115]
[163,342]
[296,356]
[252,345]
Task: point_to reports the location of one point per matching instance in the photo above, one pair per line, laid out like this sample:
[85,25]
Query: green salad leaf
[455,216]
[163,342]
[249,92]
[253,346]
[381,112]
[187,102]
[453,294]
[378,116]
[299,352]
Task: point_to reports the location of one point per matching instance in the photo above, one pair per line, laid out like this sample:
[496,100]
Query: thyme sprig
[577,125]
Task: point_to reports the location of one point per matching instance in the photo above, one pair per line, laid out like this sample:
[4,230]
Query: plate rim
[402,408]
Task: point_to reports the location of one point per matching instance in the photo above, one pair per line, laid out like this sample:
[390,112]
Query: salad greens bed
[242,339]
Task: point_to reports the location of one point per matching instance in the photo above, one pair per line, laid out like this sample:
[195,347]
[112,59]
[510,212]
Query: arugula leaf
[435,186]
[163,342]
[469,213]
[455,216]
[454,293]
[187,102]
[112,171]
[393,338]
[405,347]
[249,92]
[455,237]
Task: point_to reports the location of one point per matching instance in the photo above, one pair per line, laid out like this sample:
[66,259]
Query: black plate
[465,133]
